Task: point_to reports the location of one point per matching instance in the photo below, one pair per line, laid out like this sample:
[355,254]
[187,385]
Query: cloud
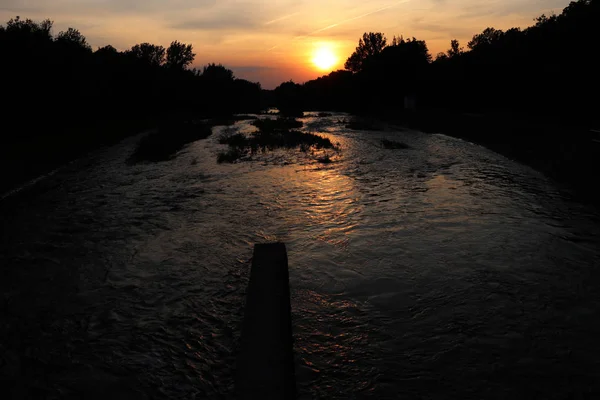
[278,34]
[223,22]
[497,9]
[279,19]
[354,18]
[84,7]
[236,17]
[450,30]
[269,77]
[252,68]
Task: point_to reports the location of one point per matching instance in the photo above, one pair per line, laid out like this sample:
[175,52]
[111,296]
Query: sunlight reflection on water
[442,269]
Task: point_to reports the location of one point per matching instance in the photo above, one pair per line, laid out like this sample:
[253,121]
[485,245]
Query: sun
[324,59]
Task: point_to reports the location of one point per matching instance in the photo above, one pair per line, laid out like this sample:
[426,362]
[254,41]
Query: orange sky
[274,41]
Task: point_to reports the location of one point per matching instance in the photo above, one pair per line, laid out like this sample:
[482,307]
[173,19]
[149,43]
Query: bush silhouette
[98,97]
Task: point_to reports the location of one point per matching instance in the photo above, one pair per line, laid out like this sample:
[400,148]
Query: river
[440,271]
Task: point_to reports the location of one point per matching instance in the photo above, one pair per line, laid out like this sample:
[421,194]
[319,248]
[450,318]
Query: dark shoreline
[23,160]
[34,156]
[560,150]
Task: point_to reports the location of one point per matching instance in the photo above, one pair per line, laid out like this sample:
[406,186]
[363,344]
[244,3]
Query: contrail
[281,18]
[343,22]
[353,19]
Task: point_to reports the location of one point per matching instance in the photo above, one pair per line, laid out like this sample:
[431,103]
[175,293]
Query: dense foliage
[548,68]
[62,98]
[56,80]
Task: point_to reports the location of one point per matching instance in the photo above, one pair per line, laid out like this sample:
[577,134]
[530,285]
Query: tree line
[53,82]
[548,68]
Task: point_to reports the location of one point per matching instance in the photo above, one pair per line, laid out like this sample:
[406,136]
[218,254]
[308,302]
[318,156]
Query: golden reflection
[444,194]
[330,201]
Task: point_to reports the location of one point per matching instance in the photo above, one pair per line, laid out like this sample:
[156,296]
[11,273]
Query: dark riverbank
[444,269]
[28,157]
[35,155]
[560,150]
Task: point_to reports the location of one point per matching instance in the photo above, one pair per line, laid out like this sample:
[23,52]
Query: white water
[441,271]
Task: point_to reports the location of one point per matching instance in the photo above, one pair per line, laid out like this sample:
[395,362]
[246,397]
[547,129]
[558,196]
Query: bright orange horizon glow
[324,59]
[273,42]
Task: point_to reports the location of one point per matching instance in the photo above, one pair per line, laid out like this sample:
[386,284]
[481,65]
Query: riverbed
[443,270]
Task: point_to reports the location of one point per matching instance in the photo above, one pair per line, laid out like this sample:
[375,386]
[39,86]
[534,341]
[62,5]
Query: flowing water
[440,271]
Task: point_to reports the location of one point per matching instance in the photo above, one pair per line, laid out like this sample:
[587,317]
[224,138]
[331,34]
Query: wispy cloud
[278,34]
[230,22]
[337,24]
[273,21]
[75,7]
[450,30]
[353,19]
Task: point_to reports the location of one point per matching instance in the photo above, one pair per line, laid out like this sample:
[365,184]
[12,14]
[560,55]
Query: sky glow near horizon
[275,41]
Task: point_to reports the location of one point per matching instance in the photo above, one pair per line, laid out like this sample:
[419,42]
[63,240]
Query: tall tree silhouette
[369,46]
[545,69]
[455,50]
[149,53]
[97,97]
[179,55]
[29,28]
[217,73]
[486,38]
[290,97]
[72,37]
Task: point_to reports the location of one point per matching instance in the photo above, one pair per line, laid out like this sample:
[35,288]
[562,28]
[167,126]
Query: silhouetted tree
[217,86]
[247,96]
[95,95]
[179,55]
[550,56]
[397,40]
[28,27]
[455,49]
[409,51]
[108,49]
[149,53]
[74,38]
[289,97]
[217,73]
[486,38]
[330,92]
[369,46]
[546,68]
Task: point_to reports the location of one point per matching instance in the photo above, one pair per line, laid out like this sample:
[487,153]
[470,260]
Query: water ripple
[444,271]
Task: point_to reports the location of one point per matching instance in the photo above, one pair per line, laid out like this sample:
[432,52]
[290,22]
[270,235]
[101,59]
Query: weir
[265,367]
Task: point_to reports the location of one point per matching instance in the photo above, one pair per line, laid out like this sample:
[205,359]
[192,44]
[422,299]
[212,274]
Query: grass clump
[279,124]
[391,144]
[288,140]
[231,155]
[235,140]
[272,134]
[163,144]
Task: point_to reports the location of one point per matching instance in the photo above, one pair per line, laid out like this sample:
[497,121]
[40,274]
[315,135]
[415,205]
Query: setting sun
[324,59]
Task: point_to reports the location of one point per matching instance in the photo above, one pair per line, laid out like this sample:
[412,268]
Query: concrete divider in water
[265,368]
